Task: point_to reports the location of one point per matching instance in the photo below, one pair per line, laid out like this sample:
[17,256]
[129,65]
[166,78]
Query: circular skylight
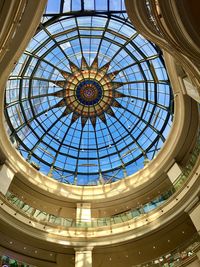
[89,101]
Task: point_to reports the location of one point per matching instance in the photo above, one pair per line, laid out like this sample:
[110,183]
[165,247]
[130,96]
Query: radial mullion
[118,152]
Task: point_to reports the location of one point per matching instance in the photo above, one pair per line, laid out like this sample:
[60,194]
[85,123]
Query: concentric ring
[96,132]
[89,92]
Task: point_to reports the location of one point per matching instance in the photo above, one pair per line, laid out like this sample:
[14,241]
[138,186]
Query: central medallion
[89,92]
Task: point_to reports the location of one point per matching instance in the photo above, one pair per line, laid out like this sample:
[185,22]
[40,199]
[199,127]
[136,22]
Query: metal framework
[61,7]
[69,139]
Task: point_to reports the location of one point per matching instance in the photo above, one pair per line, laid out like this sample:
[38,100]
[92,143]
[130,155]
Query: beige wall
[195,216]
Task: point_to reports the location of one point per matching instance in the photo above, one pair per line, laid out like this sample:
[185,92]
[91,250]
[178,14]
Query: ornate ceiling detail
[88,92]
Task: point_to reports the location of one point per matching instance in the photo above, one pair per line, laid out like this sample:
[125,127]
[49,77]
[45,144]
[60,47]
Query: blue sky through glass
[57,6]
[118,145]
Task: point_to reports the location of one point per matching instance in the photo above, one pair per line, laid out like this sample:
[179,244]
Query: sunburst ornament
[88,92]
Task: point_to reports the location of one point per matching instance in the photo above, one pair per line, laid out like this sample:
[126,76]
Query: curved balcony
[163,22]
[9,26]
[47,219]
[184,254]
[16,30]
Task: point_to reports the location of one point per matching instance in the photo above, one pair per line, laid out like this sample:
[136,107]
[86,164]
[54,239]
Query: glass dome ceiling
[89,102]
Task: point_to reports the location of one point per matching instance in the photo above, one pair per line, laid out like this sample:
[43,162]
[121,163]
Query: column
[191,90]
[83,213]
[6,176]
[194,213]
[83,257]
[195,216]
[174,172]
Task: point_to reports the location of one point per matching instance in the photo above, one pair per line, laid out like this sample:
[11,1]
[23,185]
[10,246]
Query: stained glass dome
[89,102]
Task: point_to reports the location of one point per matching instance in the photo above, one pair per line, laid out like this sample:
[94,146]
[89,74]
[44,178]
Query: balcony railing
[183,254]
[53,220]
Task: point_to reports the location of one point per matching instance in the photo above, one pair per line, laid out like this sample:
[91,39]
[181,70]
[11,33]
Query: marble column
[194,212]
[174,172]
[6,176]
[83,257]
[83,213]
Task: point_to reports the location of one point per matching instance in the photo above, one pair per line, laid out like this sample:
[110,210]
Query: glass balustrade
[46,218]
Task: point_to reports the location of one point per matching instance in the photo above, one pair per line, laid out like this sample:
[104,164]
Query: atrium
[99,141]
